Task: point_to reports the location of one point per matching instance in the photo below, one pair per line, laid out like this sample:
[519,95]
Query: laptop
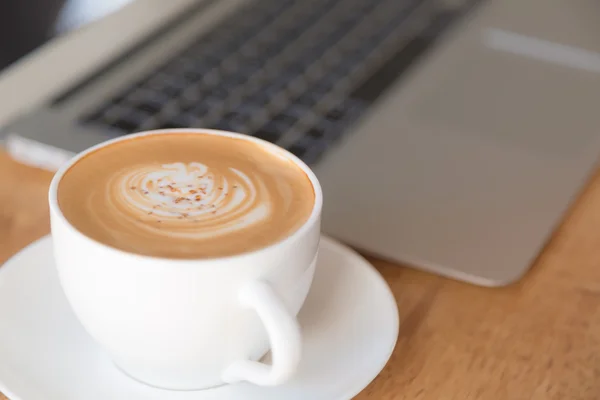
[451,136]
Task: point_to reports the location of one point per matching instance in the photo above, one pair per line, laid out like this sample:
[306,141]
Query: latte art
[189,199]
[186,195]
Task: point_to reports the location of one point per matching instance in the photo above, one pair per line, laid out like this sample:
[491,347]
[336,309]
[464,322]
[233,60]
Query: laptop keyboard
[292,72]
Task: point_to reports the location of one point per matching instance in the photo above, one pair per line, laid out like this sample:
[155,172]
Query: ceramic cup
[190,324]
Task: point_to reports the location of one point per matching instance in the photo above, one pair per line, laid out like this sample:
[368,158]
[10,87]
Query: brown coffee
[186,195]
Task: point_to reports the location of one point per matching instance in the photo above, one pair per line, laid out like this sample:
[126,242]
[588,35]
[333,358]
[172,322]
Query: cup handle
[284,336]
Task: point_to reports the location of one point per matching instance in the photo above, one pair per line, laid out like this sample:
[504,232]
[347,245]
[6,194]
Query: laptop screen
[27,24]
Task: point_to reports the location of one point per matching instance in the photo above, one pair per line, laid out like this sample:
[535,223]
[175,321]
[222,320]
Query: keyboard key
[183,121]
[218,92]
[193,75]
[248,67]
[308,99]
[267,135]
[197,110]
[335,114]
[97,115]
[171,91]
[236,120]
[270,132]
[283,120]
[223,126]
[233,81]
[298,150]
[168,125]
[126,125]
[259,99]
[147,97]
[211,100]
[298,112]
[149,107]
[316,133]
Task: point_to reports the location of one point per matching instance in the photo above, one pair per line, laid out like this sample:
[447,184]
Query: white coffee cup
[190,324]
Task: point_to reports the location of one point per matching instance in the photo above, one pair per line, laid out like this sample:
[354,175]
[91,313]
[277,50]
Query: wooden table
[537,339]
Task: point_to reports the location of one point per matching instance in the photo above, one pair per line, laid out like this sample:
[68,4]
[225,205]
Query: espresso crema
[186,195]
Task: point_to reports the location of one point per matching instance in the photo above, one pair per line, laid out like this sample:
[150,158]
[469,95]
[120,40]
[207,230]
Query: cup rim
[308,224]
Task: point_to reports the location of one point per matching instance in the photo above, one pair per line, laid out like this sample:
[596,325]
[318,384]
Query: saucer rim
[326,242]
[363,263]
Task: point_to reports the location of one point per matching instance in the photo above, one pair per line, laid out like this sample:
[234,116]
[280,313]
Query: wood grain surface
[538,339]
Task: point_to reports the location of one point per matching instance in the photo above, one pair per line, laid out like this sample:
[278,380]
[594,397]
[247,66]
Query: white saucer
[350,326]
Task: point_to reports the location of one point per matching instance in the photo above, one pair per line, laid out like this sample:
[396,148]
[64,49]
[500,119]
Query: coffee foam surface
[186,196]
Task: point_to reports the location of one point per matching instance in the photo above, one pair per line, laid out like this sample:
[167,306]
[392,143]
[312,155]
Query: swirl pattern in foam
[191,200]
[186,195]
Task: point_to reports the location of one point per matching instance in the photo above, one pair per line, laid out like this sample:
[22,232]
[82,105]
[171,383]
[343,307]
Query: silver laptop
[448,135]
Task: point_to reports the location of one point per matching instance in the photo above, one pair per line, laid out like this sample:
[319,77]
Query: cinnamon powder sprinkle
[172,189]
[179,200]
[133,188]
[198,197]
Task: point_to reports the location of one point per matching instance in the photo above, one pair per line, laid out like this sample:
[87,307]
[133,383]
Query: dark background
[27,24]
